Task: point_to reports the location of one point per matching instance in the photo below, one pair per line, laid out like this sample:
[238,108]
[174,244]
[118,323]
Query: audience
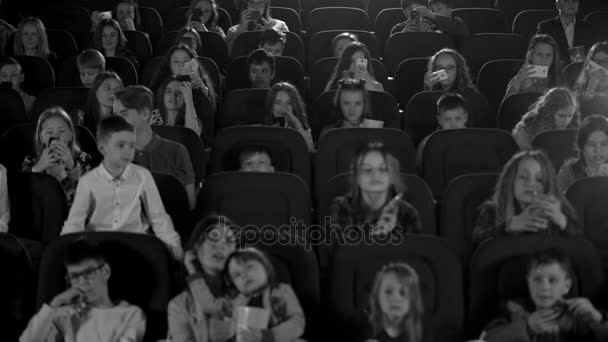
[203,17]
[190,37]
[273,41]
[12,76]
[592,146]
[549,312]
[57,151]
[355,62]
[261,66]
[437,17]
[542,51]
[134,104]
[101,99]
[127,15]
[254,16]
[85,311]
[593,80]
[352,106]
[99,206]
[285,108]
[339,43]
[111,42]
[556,109]
[527,199]
[458,80]
[90,63]
[31,40]
[199,313]
[5,208]
[255,159]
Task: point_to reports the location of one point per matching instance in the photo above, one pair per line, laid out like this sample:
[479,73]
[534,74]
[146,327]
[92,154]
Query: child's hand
[190,261]
[412,25]
[430,79]
[526,222]
[250,335]
[543,321]
[67,297]
[186,89]
[425,12]
[127,24]
[552,209]
[220,330]
[63,154]
[388,219]
[47,159]
[582,306]
[524,73]
[197,25]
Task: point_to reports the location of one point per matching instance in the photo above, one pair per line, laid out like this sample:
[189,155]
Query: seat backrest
[39,74]
[287,148]
[287,69]
[450,153]
[460,207]
[242,107]
[13,109]
[405,45]
[409,79]
[336,150]
[355,267]
[384,22]
[493,79]
[69,98]
[484,47]
[177,18]
[336,18]
[483,20]
[473,3]
[512,7]
[560,145]
[62,43]
[571,73]
[293,4]
[263,200]
[76,20]
[359,4]
[420,117]
[213,71]
[498,272]
[526,22]
[588,196]
[417,193]
[126,253]
[513,108]
[191,142]
[139,43]
[323,49]
[375,7]
[151,23]
[124,68]
[175,201]
[246,42]
[289,16]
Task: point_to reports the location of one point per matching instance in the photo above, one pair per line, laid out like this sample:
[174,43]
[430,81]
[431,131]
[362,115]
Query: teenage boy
[437,17]
[90,63]
[261,68]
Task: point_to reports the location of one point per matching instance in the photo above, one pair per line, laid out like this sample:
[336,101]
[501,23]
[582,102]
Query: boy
[261,68]
[547,313]
[118,195]
[451,111]
[85,311]
[273,42]
[437,17]
[255,159]
[90,63]
[11,72]
[134,104]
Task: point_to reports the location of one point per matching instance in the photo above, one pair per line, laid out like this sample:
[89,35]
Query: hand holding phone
[361,63]
[603,170]
[388,219]
[438,76]
[539,71]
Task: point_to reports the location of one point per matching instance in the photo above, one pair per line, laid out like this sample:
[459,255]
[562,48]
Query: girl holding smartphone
[255,16]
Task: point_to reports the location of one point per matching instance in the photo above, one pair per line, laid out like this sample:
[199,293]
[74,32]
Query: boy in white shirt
[85,312]
[118,195]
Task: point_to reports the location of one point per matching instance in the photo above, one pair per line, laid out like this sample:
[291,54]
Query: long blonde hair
[42,50]
[411,323]
[541,116]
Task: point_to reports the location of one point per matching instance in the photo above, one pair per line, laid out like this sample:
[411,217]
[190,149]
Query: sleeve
[485,226]
[79,211]
[5,209]
[521,137]
[179,322]
[293,327]
[42,327]
[307,135]
[204,301]
[183,166]
[511,88]
[452,26]
[280,25]
[159,219]
[400,27]
[231,37]
[135,327]
[565,177]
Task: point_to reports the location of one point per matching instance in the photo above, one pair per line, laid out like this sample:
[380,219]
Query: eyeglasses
[87,274]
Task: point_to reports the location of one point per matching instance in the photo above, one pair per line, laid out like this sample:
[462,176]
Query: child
[111,41]
[592,145]
[273,42]
[251,281]
[547,315]
[355,62]
[351,105]
[210,245]
[190,37]
[527,200]
[5,208]
[339,43]
[31,40]
[437,17]
[118,195]
[57,151]
[175,106]
[396,307]
[261,66]
[255,16]
[255,159]
[556,109]
[208,19]
[542,51]
[90,63]
[127,15]
[101,99]
[11,72]
[85,311]
[285,108]
[451,111]
[593,81]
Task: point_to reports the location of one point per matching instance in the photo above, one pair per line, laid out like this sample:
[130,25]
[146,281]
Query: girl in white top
[255,16]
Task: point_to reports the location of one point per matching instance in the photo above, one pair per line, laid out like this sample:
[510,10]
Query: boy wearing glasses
[85,312]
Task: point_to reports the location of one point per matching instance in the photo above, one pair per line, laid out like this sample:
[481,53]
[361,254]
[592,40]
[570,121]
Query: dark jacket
[584,35]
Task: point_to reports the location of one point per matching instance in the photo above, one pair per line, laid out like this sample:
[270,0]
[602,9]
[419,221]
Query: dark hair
[244,255]
[111,125]
[91,118]
[4,61]
[463,74]
[249,150]
[261,56]
[136,97]
[350,84]
[92,59]
[549,257]
[98,35]
[406,3]
[555,70]
[447,3]
[206,225]
[450,101]
[137,16]
[346,59]
[159,99]
[297,103]
[582,82]
[211,24]
[590,124]
[83,249]
[243,6]
[187,29]
[272,36]
[58,113]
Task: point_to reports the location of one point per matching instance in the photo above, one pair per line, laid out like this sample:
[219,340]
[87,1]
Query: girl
[190,37]
[592,144]
[396,307]
[111,42]
[557,109]
[207,22]
[458,81]
[255,16]
[57,152]
[176,106]
[5,208]
[101,99]
[351,105]
[127,15]
[285,108]
[201,305]
[349,63]
[251,280]
[526,199]
[543,51]
[31,40]
[339,43]
[593,80]
[547,314]
[177,63]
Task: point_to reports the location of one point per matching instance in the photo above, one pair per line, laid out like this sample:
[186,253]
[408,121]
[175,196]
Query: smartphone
[361,63]
[540,71]
[440,75]
[53,140]
[348,74]
[197,15]
[183,78]
[278,121]
[191,66]
[255,16]
[187,41]
[414,15]
[6,85]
